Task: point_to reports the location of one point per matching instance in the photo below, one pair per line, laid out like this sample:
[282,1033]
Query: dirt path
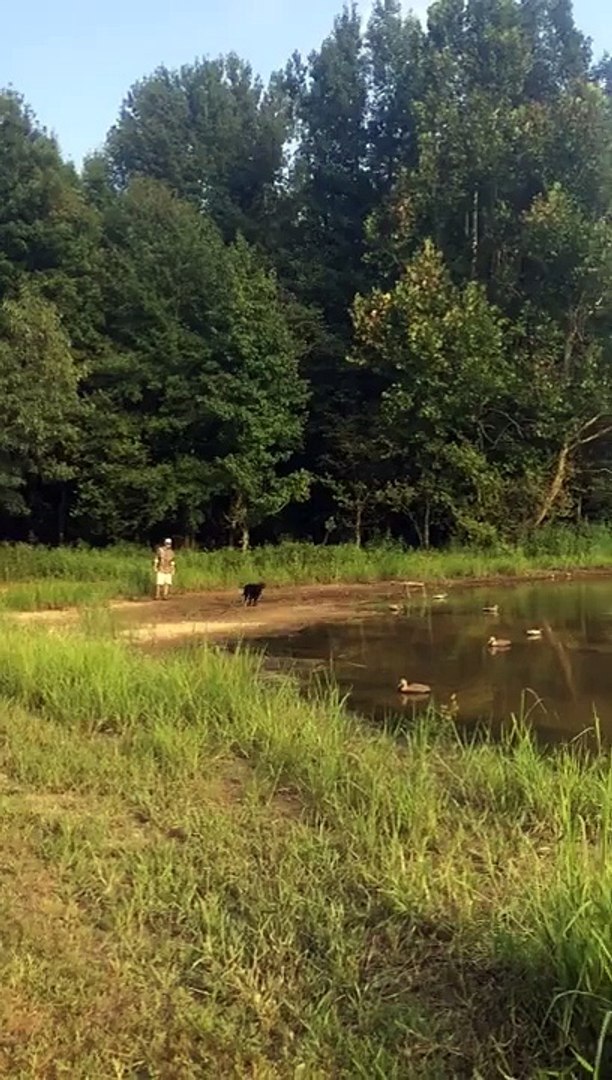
[220,615]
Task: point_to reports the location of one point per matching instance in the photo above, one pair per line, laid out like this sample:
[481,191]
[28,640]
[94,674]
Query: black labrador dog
[251,593]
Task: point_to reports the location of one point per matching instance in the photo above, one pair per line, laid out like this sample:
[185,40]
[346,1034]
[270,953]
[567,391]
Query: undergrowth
[38,577]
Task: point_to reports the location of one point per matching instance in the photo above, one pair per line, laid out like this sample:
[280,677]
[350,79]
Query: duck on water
[405,687]
[496,644]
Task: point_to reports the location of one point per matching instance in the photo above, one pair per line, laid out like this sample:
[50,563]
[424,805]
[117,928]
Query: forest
[369,299]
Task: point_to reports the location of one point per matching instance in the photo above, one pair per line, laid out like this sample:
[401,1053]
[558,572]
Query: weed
[209,873]
[39,577]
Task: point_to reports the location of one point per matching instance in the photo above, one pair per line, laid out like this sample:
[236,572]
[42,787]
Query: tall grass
[56,577]
[365,906]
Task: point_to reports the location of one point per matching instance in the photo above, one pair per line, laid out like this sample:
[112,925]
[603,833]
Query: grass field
[205,874]
[39,577]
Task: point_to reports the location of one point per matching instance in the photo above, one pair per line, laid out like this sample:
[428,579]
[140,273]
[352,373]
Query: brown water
[560,681]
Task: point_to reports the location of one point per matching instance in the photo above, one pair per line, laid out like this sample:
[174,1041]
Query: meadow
[33,577]
[207,873]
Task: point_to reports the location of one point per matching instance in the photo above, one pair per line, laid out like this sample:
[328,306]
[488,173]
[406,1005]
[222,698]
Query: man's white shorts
[163,579]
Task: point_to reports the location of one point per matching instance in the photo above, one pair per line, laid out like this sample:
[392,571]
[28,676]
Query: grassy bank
[37,577]
[206,875]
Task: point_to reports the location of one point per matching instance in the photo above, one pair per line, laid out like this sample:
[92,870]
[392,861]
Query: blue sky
[74,67]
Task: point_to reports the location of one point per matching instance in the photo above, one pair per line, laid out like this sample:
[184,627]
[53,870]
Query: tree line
[370,298]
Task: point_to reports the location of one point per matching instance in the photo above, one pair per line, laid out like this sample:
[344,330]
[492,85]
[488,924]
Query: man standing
[164,567]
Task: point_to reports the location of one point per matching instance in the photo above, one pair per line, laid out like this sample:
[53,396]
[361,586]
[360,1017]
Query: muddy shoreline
[219,615]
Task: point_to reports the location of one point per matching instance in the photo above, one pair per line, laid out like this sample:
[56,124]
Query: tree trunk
[556,486]
[330,526]
[426,525]
[245,539]
[235,518]
[414,519]
[61,516]
[358,522]
[475,233]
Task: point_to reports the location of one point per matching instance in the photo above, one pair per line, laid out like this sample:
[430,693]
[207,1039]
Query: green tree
[123,491]
[394,44]
[38,398]
[560,53]
[212,134]
[513,184]
[47,230]
[569,266]
[329,192]
[355,470]
[162,279]
[456,179]
[197,386]
[448,399]
[260,399]
[331,189]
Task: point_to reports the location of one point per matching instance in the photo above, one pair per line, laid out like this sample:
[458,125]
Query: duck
[405,687]
[534,634]
[440,596]
[492,609]
[495,643]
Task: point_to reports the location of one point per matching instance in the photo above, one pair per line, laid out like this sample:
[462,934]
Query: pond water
[558,681]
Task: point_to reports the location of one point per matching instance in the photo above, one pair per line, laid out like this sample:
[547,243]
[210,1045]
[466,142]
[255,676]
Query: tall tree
[162,281]
[212,133]
[38,398]
[47,230]
[457,178]
[327,199]
[446,388]
[259,400]
[560,53]
[331,187]
[569,266]
[395,68]
[198,384]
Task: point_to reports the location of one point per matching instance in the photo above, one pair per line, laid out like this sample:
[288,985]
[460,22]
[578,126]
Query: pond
[559,680]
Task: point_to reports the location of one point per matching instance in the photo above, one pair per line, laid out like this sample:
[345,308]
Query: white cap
[167,540]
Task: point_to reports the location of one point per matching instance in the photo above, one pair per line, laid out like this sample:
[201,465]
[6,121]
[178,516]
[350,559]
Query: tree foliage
[371,296]
[38,397]
[212,133]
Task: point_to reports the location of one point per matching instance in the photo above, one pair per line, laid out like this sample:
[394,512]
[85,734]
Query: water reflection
[560,679]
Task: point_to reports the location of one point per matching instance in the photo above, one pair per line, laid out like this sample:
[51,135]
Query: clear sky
[73,61]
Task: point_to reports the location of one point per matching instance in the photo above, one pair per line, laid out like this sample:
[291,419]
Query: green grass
[38,577]
[56,594]
[206,874]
